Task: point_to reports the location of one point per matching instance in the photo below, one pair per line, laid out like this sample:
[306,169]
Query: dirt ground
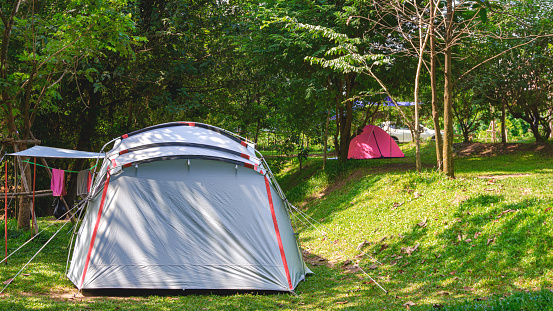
[493,149]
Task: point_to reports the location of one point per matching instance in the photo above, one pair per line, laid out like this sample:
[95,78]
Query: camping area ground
[480,241]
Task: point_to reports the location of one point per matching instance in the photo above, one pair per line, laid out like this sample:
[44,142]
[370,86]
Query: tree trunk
[325,139]
[503,127]
[434,87]
[448,93]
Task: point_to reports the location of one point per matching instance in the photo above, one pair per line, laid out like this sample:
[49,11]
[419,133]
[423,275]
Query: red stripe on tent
[125,136]
[188,123]
[243,143]
[243,155]
[127,165]
[95,229]
[268,186]
[123,151]
[248,165]
[113,163]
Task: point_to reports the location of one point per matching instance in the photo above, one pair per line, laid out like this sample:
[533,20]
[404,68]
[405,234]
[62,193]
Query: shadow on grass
[489,247]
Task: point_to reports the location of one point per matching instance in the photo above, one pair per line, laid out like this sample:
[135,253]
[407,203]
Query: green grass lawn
[480,241]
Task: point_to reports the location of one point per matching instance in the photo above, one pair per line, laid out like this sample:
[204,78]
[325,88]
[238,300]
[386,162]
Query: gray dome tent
[186,205]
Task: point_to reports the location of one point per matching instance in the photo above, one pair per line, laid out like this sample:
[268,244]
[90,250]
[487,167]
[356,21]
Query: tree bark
[434,88]
[325,139]
[448,93]
[503,127]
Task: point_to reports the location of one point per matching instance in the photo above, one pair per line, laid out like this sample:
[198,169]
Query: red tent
[373,143]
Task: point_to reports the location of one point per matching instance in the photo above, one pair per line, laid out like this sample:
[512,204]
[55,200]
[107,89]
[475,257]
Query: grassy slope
[379,202]
[482,236]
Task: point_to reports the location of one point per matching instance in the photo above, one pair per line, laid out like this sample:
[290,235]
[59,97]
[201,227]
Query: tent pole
[6,210]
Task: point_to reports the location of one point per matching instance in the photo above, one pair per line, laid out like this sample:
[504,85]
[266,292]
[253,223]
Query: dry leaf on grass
[443,293]
[341,302]
[468,288]
[505,212]
[396,205]
[8,281]
[409,304]
[417,195]
[373,266]
[422,223]
[477,234]
[362,244]
[410,250]
[547,209]
[492,240]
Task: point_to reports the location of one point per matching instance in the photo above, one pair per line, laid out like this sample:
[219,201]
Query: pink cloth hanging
[58,182]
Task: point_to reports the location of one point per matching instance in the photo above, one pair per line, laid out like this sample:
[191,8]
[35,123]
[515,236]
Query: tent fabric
[50,152]
[185,223]
[184,133]
[373,143]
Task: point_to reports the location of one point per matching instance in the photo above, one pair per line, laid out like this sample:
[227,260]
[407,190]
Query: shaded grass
[380,202]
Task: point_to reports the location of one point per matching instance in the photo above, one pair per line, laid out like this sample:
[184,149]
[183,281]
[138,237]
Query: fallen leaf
[8,281]
[477,234]
[341,302]
[422,223]
[505,212]
[396,205]
[400,271]
[417,195]
[468,240]
[467,288]
[423,261]
[410,250]
[25,274]
[443,293]
[384,238]
[373,266]
[400,236]
[492,240]
[383,247]
[347,263]
[362,244]
[547,209]
[409,304]
[438,255]
[393,263]
[453,272]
